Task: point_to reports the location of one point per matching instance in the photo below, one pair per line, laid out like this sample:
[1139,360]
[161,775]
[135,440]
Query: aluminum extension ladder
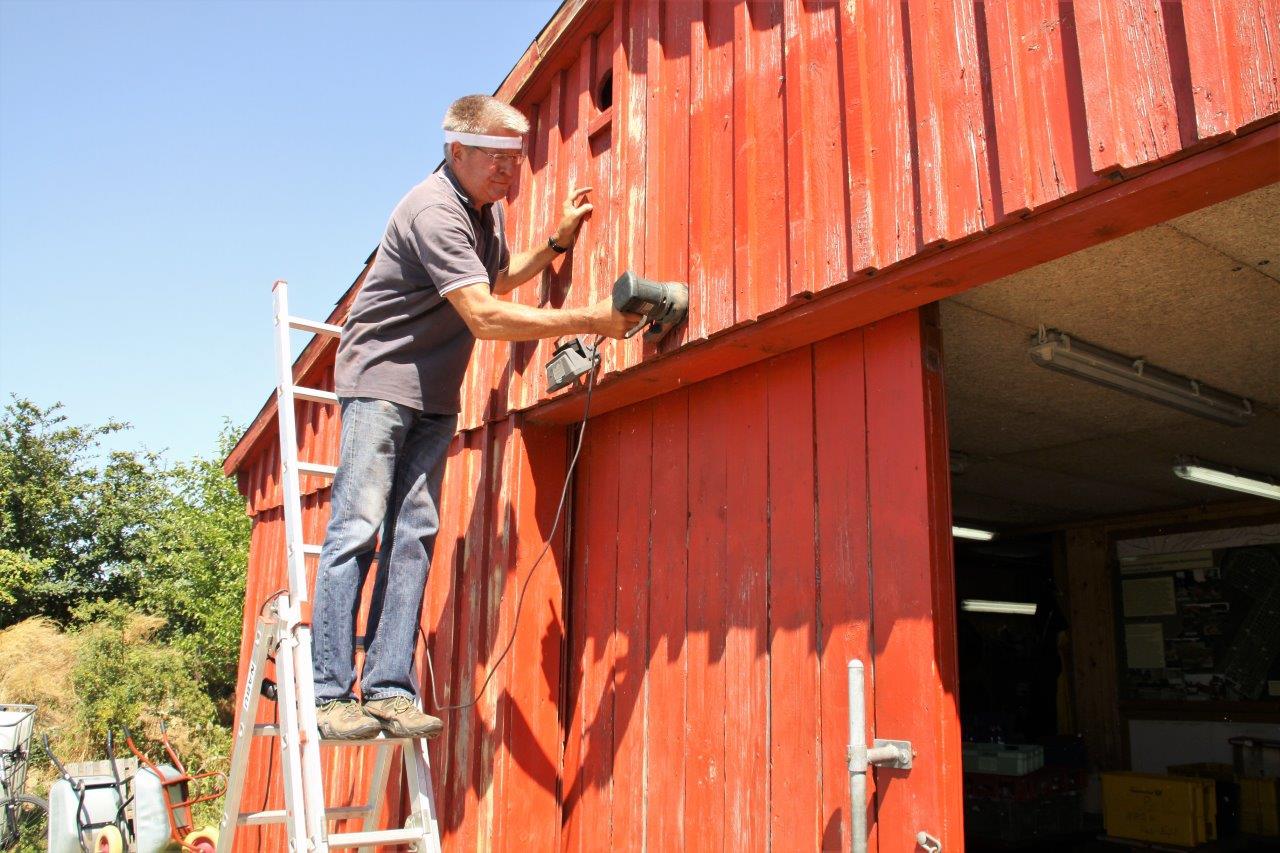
[285,630]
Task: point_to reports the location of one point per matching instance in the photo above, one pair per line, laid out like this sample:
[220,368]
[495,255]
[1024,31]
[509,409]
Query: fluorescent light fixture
[972,533]
[1194,470]
[1059,351]
[1017,608]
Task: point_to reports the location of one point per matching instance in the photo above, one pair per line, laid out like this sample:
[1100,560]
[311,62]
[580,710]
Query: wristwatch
[556,247]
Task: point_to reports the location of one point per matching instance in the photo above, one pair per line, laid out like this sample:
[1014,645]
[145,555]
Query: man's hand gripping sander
[663,304]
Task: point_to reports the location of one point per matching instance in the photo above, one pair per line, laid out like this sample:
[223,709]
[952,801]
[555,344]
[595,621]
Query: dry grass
[36,661]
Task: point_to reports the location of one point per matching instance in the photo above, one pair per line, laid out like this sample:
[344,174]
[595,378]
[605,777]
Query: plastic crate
[1003,759]
[1225,789]
[1036,785]
[1176,810]
[1259,806]
[1255,757]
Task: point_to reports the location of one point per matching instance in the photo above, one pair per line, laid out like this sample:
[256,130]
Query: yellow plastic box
[1165,809]
[1259,806]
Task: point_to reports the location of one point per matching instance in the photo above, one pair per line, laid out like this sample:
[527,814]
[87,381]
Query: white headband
[483,141]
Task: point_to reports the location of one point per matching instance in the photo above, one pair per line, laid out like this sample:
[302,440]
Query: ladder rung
[272,730]
[377,836]
[311,549]
[315,327]
[261,818]
[314,395]
[344,812]
[313,468]
[268,816]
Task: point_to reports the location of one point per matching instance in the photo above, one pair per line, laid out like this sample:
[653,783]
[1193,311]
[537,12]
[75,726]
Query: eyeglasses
[500,159]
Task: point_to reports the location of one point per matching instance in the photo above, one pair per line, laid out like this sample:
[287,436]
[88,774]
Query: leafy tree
[126,677]
[68,526]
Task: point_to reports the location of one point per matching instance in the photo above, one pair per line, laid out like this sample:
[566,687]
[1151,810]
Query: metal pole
[857,758]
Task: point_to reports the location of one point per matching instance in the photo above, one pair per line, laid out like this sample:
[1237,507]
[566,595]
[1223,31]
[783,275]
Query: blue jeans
[391,462]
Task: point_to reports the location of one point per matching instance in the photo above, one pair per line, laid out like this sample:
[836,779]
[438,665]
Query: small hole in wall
[604,91]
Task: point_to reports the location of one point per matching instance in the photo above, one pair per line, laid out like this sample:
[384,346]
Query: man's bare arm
[523,267]
[493,319]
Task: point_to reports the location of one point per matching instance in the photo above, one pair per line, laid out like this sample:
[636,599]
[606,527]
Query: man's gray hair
[483,113]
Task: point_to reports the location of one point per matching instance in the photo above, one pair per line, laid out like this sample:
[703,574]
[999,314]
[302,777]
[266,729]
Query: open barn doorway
[1113,615]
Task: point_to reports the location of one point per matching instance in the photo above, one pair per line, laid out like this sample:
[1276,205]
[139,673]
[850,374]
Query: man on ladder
[430,293]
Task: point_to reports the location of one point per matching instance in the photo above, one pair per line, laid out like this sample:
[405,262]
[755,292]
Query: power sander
[662,304]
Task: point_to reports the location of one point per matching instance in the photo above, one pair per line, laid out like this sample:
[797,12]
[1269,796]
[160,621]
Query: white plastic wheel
[202,840]
[108,840]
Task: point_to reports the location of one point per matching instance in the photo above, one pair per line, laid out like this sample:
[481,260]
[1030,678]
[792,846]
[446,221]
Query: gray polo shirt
[403,341]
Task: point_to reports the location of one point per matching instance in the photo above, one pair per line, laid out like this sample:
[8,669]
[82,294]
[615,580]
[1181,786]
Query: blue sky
[161,163]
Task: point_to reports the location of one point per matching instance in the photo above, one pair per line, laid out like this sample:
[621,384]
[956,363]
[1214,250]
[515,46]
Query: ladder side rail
[289,736]
[422,798]
[312,780]
[263,636]
[289,478]
[378,784]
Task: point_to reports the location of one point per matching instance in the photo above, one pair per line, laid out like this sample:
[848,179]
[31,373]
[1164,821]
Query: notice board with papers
[1200,615]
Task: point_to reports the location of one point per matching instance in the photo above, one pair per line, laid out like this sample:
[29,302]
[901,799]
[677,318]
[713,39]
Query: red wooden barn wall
[777,156]
[735,544]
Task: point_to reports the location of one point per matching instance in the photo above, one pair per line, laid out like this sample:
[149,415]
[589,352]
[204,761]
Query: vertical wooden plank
[1212,85]
[571,171]
[532,729]
[603,219]
[596,613]
[582,173]
[1091,599]
[884,220]
[575,169]
[844,612]
[1231,48]
[747,769]
[912,594]
[1039,118]
[494,630]
[664,773]
[667,238]
[760,184]
[795,724]
[631,637]
[1128,89]
[463,743]
[817,198]
[573,714]
[633,62]
[711,171]
[705,702]
[955,185]
[561,101]
[520,231]
[1007,61]
[440,610]
[1254,29]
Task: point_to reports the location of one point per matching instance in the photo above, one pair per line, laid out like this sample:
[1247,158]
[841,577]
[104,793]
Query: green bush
[124,678]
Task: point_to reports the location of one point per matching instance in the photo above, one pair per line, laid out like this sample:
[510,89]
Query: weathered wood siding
[767,151]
